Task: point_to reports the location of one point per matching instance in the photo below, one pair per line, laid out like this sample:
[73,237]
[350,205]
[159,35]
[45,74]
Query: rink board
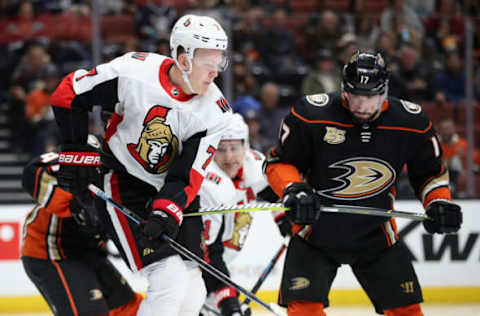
[447,266]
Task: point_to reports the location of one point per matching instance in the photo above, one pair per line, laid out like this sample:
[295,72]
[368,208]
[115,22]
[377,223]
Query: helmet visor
[212,59]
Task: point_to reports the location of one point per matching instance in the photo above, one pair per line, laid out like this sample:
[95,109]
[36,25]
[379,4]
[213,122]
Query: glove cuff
[77,158]
[225,293]
[169,207]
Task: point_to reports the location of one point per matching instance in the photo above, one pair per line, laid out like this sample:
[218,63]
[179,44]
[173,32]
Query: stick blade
[279,311]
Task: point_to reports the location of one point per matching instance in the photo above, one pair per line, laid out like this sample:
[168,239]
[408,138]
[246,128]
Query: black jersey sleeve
[295,140]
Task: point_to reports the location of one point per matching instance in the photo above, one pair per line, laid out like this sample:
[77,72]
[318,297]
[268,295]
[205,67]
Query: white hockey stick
[347,209]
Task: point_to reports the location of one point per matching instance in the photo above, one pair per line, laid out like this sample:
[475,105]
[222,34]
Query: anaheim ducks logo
[364,177]
[157,146]
[299,283]
[240,231]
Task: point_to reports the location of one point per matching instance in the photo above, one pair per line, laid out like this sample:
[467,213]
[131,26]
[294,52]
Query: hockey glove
[77,167]
[284,225]
[228,302]
[165,217]
[85,215]
[445,217]
[304,204]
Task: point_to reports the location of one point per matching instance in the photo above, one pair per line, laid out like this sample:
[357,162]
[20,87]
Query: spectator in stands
[450,83]
[278,49]
[244,82]
[367,31]
[249,108]
[347,45]
[323,32]
[154,19]
[325,78]
[446,26]
[35,61]
[398,8]
[454,150]
[270,114]
[414,75]
[387,46]
[42,135]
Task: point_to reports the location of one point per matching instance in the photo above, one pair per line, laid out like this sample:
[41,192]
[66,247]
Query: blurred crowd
[281,50]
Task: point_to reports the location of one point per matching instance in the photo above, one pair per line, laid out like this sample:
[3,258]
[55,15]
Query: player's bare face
[229,156]
[363,107]
[207,63]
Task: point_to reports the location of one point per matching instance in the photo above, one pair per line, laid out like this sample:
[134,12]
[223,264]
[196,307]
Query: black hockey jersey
[358,164]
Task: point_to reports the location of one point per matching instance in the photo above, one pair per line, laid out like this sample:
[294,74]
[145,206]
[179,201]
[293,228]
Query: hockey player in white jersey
[168,117]
[234,177]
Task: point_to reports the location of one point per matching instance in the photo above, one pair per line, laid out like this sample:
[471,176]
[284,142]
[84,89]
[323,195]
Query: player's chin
[362,117]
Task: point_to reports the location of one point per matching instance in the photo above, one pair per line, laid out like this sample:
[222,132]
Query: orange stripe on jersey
[319,121]
[59,204]
[65,285]
[406,129]
[280,175]
[442,193]
[35,188]
[387,237]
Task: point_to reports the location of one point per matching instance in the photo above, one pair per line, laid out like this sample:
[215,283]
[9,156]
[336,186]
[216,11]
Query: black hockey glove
[304,204]
[165,217]
[77,167]
[284,225]
[85,215]
[230,307]
[445,218]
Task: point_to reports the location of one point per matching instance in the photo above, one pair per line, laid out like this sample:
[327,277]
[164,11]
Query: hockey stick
[268,269]
[185,252]
[347,209]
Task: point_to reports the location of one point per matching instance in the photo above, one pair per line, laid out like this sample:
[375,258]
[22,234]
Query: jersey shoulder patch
[318,99]
[407,114]
[318,106]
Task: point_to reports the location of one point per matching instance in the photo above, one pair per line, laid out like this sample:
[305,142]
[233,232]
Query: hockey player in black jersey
[350,147]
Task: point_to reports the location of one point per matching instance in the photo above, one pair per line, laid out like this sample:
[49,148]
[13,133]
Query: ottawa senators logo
[157,147]
[365,177]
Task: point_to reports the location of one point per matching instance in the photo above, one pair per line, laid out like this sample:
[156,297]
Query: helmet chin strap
[185,73]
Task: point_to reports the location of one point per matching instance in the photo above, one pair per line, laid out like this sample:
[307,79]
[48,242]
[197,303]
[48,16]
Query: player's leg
[120,297]
[70,287]
[307,277]
[196,294]
[167,285]
[390,281]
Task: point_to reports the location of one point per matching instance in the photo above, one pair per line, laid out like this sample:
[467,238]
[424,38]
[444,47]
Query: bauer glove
[304,204]
[165,217]
[445,217]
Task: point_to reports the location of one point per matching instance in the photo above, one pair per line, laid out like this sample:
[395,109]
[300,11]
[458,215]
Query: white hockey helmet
[194,31]
[237,129]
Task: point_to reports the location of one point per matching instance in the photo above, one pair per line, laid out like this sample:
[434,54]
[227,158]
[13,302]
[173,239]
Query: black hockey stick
[268,269]
[185,252]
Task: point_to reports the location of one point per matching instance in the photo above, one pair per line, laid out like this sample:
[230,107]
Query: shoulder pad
[407,114]
[316,106]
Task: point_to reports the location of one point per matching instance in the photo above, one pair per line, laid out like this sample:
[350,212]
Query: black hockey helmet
[365,74]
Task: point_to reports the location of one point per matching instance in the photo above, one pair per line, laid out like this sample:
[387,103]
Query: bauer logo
[299,283]
[79,159]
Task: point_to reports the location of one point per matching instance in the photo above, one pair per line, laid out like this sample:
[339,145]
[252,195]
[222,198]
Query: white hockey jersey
[219,189]
[156,129]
